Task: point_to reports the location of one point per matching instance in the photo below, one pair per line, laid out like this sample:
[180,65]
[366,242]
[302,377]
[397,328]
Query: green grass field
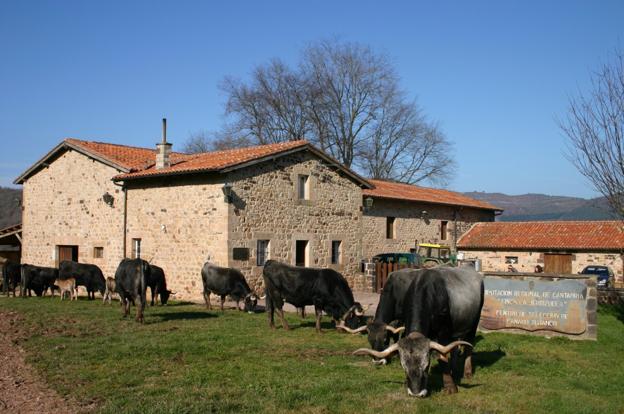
[185,359]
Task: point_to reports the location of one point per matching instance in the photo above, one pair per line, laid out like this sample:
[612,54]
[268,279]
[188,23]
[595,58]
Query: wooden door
[67,253]
[558,263]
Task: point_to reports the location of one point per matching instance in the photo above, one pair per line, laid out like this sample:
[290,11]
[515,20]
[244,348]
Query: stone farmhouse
[557,246]
[97,203]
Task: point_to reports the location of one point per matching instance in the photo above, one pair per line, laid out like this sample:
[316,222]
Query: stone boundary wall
[540,304]
[611,296]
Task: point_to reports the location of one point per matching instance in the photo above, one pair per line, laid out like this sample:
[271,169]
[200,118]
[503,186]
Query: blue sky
[495,75]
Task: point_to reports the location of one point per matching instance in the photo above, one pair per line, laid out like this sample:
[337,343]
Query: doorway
[69,253]
[558,263]
[301,253]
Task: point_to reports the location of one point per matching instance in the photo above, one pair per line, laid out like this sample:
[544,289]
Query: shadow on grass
[614,310]
[176,316]
[326,326]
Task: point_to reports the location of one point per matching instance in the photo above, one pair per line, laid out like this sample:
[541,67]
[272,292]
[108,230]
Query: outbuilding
[554,246]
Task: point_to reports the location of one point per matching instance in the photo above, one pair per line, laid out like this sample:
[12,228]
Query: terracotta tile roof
[130,158]
[573,235]
[214,161]
[399,191]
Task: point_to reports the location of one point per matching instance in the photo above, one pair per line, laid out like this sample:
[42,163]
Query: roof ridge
[284,143]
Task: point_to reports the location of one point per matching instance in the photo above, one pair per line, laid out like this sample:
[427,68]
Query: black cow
[326,289]
[224,281]
[11,277]
[158,285]
[442,309]
[37,278]
[88,275]
[389,310]
[131,284]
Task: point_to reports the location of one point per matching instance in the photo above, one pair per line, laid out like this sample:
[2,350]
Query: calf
[158,285]
[224,282]
[109,291]
[67,286]
[131,284]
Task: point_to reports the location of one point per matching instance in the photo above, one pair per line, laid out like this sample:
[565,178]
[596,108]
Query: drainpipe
[125,216]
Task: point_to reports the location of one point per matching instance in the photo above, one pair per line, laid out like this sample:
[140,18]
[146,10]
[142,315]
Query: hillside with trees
[10,206]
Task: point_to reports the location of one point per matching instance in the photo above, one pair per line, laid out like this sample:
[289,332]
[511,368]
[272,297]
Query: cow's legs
[280,313]
[222,301]
[126,305]
[447,378]
[140,309]
[207,299]
[318,312]
[152,290]
[270,309]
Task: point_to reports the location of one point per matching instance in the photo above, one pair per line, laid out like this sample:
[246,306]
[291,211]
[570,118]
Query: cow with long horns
[389,311]
[326,289]
[442,310]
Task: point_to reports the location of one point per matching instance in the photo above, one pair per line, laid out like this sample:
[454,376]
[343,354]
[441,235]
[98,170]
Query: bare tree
[203,141]
[197,142]
[594,127]
[346,99]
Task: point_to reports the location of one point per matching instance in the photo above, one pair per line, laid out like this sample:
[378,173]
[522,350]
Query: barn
[556,246]
[98,202]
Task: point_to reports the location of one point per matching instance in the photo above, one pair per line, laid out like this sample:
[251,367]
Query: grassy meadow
[186,359]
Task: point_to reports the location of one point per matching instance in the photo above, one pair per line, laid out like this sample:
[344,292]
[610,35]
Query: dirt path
[22,390]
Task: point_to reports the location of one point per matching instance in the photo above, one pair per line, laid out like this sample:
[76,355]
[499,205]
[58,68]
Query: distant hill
[540,207]
[10,206]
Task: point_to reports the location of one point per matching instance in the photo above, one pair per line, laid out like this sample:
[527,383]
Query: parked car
[403,258]
[604,273]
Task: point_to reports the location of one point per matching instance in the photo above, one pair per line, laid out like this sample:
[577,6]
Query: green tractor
[432,254]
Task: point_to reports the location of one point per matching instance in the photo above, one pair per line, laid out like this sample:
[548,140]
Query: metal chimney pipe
[164,132]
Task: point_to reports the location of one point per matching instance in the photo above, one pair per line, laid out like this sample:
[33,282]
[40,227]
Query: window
[443,229]
[136,248]
[303,187]
[240,253]
[262,252]
[511,259]
[336,252]
[98,252]
[390,228]
[301,253]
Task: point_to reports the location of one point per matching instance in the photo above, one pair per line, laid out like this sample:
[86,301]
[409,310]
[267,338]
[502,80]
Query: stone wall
[63,206]
[494,261]
[266,207]
[411,229]
[181,222]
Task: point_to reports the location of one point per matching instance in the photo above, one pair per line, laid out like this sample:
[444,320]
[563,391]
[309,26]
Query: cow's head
[414,352]
[250,302]
[164,296]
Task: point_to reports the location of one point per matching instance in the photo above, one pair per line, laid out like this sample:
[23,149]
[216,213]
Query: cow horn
[448,348]
[351,309]
[262,297]
[395,330]
[364,309]
[352,331]
[379,355]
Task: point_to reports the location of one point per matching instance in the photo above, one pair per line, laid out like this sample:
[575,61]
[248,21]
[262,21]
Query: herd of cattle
[422,311]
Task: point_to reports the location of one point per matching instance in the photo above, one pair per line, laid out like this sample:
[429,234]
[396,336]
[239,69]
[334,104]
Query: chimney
[163,149]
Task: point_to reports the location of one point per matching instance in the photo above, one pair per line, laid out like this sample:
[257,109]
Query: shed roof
[545,235]
[400,191]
